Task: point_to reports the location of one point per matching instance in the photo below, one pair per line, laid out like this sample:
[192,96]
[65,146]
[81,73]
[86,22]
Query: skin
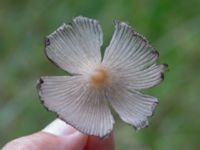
[60,136]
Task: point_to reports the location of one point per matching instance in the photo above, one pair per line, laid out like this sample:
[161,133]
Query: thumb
[56,136]
[70,138]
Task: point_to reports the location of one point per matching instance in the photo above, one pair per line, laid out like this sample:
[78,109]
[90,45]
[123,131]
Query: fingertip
[59,128]
[75,141]
[56,136]
[69,137]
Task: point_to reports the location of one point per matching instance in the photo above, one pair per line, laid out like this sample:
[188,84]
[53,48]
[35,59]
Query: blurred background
[172,26]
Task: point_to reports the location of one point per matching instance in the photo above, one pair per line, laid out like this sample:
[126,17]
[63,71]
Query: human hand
[60,136]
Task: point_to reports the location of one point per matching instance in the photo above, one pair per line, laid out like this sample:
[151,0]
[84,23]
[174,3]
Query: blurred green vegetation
[172,26]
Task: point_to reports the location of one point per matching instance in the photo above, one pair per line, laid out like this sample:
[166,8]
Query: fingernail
[59,127]
[75,141]
[77,133]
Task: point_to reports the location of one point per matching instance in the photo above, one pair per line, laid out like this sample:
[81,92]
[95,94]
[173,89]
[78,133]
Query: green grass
[172,26]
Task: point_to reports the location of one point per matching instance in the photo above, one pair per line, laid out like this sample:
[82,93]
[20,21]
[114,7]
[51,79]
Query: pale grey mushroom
[82,99]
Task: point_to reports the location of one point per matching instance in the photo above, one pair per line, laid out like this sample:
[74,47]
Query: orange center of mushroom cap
[99,77]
